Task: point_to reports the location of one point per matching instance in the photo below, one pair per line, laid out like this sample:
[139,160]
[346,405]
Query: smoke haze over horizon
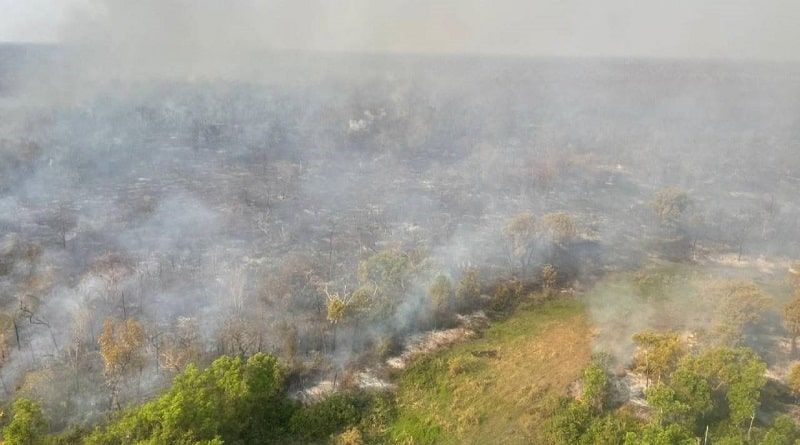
[739,29]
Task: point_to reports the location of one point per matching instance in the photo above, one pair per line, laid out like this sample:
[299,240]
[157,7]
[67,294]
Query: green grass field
[493,389]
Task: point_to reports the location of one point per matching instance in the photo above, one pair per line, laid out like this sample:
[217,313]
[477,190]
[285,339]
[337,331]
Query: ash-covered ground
[223,214]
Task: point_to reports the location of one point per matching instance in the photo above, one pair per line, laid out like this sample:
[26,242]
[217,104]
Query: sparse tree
[337,309]
[180,346]
[521,232]
[695,225]
[345,306]
[121,348]
[468,288]
[739,304]
[441,294]
[113,269]
[558,227]
[549,279]
[387,269]
[525,234]
[544,175]
[739,228]
[441,291]
[791,319]
[670,205]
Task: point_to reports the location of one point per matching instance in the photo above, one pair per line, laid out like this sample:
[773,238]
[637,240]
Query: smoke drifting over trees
[169,194]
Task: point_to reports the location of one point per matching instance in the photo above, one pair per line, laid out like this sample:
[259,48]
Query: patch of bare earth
[430,341]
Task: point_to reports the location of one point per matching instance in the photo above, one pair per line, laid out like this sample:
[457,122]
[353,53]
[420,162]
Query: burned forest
[342,218]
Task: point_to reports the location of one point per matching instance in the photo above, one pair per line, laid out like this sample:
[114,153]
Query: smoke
[204,167]
[739,29]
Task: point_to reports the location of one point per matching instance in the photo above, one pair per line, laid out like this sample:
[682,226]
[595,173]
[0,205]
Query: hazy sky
[765,29]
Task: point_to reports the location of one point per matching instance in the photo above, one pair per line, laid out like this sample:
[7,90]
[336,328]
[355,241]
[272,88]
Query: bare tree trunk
[16,334]
[333,346]
[330,251]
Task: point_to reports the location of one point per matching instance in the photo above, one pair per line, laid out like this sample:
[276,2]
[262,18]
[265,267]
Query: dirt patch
[768,266]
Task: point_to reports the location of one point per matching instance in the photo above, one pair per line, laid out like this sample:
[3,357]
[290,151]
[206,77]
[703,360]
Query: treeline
[714,396]
[234,401]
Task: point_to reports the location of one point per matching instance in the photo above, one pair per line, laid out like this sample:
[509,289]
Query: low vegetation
[494,387]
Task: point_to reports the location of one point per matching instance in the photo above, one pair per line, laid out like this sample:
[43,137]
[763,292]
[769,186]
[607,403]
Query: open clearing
[493,389]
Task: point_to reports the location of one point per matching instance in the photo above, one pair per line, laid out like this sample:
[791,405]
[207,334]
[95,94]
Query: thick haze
[174,162]
[737,29]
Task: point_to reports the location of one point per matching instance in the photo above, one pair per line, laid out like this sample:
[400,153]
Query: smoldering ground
[165,166]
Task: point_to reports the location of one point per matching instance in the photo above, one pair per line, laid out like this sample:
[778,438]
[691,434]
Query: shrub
[330,416]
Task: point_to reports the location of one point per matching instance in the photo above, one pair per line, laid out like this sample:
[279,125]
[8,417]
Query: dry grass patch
[492,389]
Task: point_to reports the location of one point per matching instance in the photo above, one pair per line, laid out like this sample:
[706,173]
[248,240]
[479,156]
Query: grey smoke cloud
[747,29]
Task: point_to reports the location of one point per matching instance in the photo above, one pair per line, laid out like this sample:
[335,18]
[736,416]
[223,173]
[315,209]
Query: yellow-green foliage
[657,354]
[441,291]
[468,289]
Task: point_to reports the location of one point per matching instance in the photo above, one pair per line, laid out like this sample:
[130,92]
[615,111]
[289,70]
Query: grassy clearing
[666,296]
[492,390]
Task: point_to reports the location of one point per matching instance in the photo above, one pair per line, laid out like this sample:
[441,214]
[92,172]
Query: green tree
[738,373]
[231,401]
[695,393]
[28,427]
[684,401]
[609,429]
[654,434]
[596,386]
[568,422]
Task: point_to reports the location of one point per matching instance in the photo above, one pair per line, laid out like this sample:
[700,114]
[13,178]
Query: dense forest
[282,257]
